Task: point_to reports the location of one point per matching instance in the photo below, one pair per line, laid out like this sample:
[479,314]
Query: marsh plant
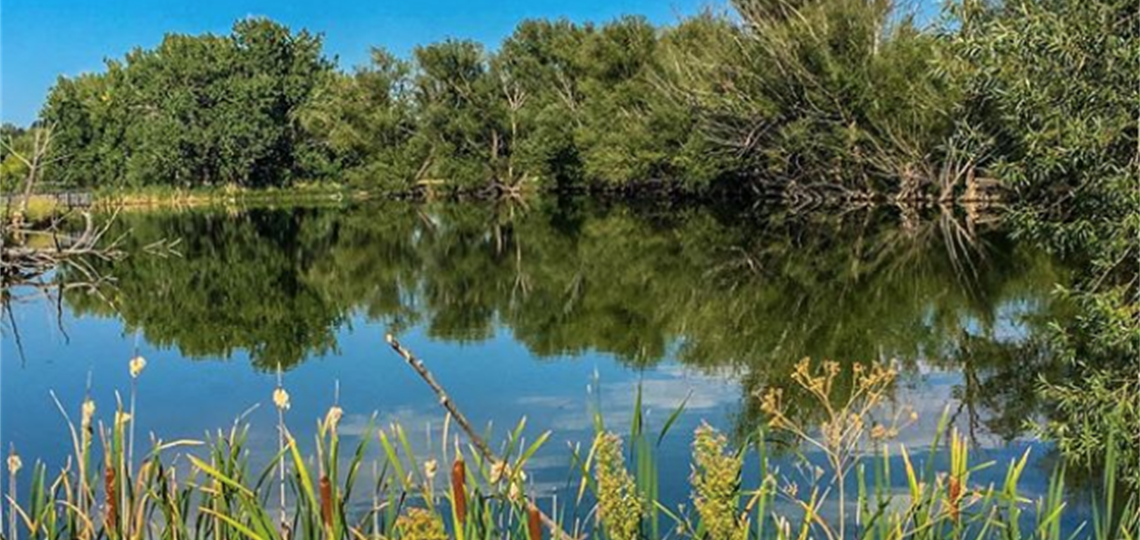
[716,485]
[619,503]
[208,489]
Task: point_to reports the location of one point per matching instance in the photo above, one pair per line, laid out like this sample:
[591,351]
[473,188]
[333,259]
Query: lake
[551,312]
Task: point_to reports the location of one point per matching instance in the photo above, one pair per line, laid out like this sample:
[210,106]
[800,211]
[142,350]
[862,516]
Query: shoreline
[44,205]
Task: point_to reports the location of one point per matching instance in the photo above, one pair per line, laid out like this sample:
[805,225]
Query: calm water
[547,312]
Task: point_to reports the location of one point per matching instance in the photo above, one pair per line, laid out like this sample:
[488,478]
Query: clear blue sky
[43,39]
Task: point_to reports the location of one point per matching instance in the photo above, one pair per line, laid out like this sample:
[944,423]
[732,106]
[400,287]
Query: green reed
[208,489]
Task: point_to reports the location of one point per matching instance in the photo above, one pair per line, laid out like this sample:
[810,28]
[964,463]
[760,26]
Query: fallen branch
[476,440]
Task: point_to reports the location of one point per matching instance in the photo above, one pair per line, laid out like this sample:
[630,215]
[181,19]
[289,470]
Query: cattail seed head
[109,486]
[137,365]
[326,501]
[459,490]
[955,493]
[955,489]
[534,522]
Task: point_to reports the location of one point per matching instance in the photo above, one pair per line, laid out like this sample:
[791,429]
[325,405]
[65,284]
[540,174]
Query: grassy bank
[209,489]
[164,197]
[42,206]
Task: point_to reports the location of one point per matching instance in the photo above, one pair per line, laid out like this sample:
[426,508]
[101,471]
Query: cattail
[534,522]
[955,489]
[326,500]
[112,500]
[459,490]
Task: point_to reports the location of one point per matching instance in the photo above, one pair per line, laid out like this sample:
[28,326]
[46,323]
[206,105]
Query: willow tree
[841,95]
[358,127]
[1052,90]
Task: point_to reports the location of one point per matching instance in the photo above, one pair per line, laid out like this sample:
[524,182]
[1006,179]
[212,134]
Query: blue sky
[43,39]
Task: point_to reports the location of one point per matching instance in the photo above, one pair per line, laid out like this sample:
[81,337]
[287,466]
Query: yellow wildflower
[619,504]
[420,524]
[715,479]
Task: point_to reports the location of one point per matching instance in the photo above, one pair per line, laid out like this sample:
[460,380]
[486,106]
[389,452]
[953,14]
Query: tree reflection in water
[721,289]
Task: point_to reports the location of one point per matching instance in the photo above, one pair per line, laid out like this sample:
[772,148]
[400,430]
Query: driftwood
[22,263]
[29,270]
[480,445]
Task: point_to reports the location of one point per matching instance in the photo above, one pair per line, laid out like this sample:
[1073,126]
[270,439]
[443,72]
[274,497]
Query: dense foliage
[843,92]
[1053,98]
[217,492]
[12,170]
[195,111]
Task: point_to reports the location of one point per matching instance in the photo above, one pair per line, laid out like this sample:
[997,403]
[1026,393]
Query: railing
[64,197]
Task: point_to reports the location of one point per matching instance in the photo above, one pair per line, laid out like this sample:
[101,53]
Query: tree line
[851,98]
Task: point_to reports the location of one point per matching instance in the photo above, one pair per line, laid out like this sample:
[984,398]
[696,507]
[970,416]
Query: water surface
[550,311]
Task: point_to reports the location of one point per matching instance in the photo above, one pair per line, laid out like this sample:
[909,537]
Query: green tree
[1052,95]
[461,120]
[825,95]
[360,126]
[196,110]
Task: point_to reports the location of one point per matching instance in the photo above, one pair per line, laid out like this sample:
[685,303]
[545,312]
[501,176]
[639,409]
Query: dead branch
[478,442]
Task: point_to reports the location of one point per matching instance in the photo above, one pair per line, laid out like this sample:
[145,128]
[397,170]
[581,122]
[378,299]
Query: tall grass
[208,489]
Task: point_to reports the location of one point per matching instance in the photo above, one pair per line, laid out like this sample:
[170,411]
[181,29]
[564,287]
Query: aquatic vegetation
[716,485]
[207,489]
[619,504]
[420,524]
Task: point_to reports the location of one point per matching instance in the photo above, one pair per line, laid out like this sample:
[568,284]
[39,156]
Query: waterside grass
[208,489]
